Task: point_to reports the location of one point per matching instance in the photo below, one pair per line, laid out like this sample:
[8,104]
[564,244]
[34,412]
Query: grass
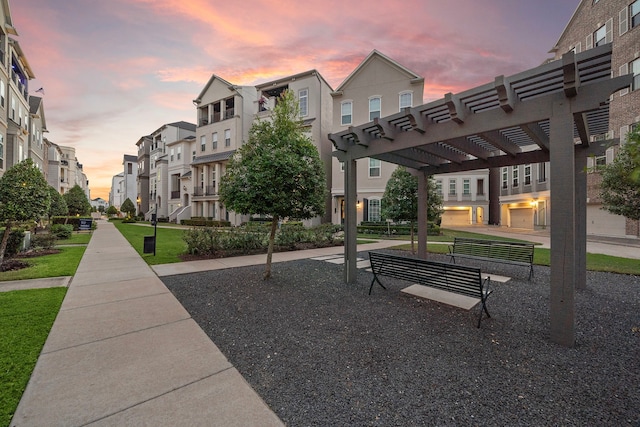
[64,263]
[169,243]
[26,318]
[75,239]
[446,235]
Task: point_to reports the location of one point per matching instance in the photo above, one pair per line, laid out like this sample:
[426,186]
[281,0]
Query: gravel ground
[321,352]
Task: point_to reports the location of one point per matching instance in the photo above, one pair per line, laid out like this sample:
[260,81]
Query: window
[303,100]
[374,107]
[634,68]
[13,108]
[480,188]
[171,154]
[466,187]
[634,12]
[374,168]
[130,168]
[2,93]
[527,174]
[514,175]
[193,155]
[542,172]
[346,111]
[600,36]
[374,210]
[600,161]
[439,187]
[341,166]
[406,99]
[213,180]
[227,138]
[1,151]
[452,187]
[179,153]
[214,137]
[505,178]
[203,143]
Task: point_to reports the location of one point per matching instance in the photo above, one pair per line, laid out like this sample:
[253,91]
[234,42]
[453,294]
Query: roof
[8,24]
[35,105]
[210,158]
[130,158]
[183,125]
[566,28]
[22,57]
[376,54]
[282,80]
[505,122]
[209,83]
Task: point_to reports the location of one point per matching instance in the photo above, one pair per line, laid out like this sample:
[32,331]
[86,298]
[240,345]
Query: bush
[62,231]
[395,229]
[204,222]
[128,220]
[44,241]
[72,220]
[14,243]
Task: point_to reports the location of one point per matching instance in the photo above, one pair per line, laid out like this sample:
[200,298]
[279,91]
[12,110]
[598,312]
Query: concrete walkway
[123,351]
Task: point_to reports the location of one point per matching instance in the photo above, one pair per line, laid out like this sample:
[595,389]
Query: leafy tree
[400,199]
[58,206]
[620,189]
[112,210]
[128,207]
[277,173]
[24,196]
[77,201]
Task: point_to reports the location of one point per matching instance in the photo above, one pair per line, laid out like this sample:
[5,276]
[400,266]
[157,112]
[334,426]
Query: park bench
[515,253]
[453,278]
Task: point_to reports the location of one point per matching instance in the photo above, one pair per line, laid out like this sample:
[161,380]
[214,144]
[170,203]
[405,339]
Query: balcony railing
[175,194]
[198,191]
[215,117]
[229,113]
[211,190]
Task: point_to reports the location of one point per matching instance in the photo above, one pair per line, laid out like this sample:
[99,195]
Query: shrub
[62,231]
[203,222]
[72,220]
[129,220]
[44,241]
[14,244]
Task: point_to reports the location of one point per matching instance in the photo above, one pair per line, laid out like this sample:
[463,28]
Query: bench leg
[484,308]
[530,272]
[375,279]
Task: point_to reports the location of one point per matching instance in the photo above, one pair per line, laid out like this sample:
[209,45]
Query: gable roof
[209,83]
[298,76]
[373,55]
[566,28]
[36,107]
[8,21]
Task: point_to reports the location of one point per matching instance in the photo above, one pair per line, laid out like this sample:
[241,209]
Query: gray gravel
[323,353]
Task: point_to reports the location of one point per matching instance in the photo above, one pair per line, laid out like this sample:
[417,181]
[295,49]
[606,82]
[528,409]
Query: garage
[521,218]
[456,218]
[604,223]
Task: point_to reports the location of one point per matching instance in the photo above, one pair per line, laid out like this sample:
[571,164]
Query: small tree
[400,199]
[277,173]
[620,189]
[58,206]
[77,201]
[24,196]
[128,207]
[112,210]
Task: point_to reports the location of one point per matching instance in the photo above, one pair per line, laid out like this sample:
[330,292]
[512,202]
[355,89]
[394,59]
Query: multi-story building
[593,23]
[6,29]
[159,193]
[142,181]
[179,155]
[117,188]
[54,166]
[380,87]
[225,113]
[129,175]
[36,148]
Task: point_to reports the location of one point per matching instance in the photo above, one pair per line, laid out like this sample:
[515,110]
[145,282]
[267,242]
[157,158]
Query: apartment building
[524,191]
[159,192]
[142,181]
[179,156]
[38,126]
[54,170]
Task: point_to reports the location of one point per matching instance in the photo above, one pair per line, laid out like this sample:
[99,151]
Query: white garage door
[521,218]
[603,223]
[450,218]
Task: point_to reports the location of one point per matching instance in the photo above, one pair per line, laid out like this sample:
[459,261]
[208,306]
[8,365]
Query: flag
[41,90]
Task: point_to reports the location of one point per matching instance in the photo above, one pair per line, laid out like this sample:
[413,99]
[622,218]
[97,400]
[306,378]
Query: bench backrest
[512,251]
[450,277]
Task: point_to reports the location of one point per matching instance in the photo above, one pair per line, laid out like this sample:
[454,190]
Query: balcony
[175,194]
[228,114]
[198,191]
[211,190]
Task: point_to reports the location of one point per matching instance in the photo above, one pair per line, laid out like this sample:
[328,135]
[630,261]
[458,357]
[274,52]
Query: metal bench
[515,253]
[458,279]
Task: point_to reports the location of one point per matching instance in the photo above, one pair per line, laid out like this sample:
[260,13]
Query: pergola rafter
[548,113]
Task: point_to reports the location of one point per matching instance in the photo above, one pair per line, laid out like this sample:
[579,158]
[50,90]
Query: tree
[112,210]
[400,199]
[57,207]
[77,201]
[128,207]
[24,196]
[620,189]
[277,173]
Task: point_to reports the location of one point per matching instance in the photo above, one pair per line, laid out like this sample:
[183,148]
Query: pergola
[548,113]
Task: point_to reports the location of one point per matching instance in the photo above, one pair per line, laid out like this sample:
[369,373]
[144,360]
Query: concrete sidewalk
[123,351]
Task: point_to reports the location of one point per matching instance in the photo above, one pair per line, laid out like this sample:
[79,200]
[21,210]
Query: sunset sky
[116,70]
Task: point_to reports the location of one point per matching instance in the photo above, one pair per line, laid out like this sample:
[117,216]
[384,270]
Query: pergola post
[350,221]
[423,199]
[581,218]
[563,220]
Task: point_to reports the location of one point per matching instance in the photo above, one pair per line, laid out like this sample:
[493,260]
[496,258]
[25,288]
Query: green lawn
[25,320]
[446,235]
[169,243]
[76,239]
[64,263]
